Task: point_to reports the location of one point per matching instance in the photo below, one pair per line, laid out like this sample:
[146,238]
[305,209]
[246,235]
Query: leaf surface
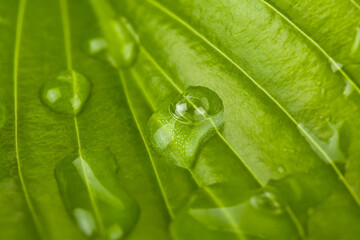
[284,165]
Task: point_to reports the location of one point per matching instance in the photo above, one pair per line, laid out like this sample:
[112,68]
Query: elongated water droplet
[335,66]
[2,116]
[239,216]
[121,42]
[328,151]
[93,197]
[66,93]
[177,131]
[355,49]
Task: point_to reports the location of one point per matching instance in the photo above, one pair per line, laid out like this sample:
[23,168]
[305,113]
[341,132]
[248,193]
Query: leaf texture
[287,72]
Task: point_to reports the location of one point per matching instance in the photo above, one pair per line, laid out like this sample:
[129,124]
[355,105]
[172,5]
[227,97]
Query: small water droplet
[121,42]
[91,193]
[335,66]
[349,88]
[355,49]
[327,150]
[267,201]
[319,83]
[177,131]
[66,93]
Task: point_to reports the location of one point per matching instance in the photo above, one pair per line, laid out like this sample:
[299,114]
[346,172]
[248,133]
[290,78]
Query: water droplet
[335,66]
[326,150]
[177,131]
[121,42]
[304,190]
[356,45]
[267,201]
[349,88]
[66,93]
[2,116]
[319,83]
[93,197]
[248,214]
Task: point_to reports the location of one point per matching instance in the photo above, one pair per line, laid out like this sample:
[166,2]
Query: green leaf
[78,146]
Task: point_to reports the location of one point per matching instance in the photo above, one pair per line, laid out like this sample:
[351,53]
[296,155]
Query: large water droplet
[177,131]
[254,215]
[327,150]
[93,197]
[66,93]
[121,42]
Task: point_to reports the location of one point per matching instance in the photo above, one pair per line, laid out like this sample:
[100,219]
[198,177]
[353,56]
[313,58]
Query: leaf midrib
[67,42]
[326,156]
[209,192]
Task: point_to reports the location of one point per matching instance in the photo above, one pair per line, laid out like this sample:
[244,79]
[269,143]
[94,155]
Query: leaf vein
[67,42]
[19,27]
[163,192]
[288,209]
[316,44]
[326,156]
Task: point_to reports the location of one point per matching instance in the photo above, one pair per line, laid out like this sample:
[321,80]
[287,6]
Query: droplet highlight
[66,93]
[355,49]
[96,45]
[177,131]
[93,197]
[335,66]
[349,88]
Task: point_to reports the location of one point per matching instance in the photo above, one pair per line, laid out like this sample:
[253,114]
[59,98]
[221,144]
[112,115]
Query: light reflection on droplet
[177,131]
[66,93]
